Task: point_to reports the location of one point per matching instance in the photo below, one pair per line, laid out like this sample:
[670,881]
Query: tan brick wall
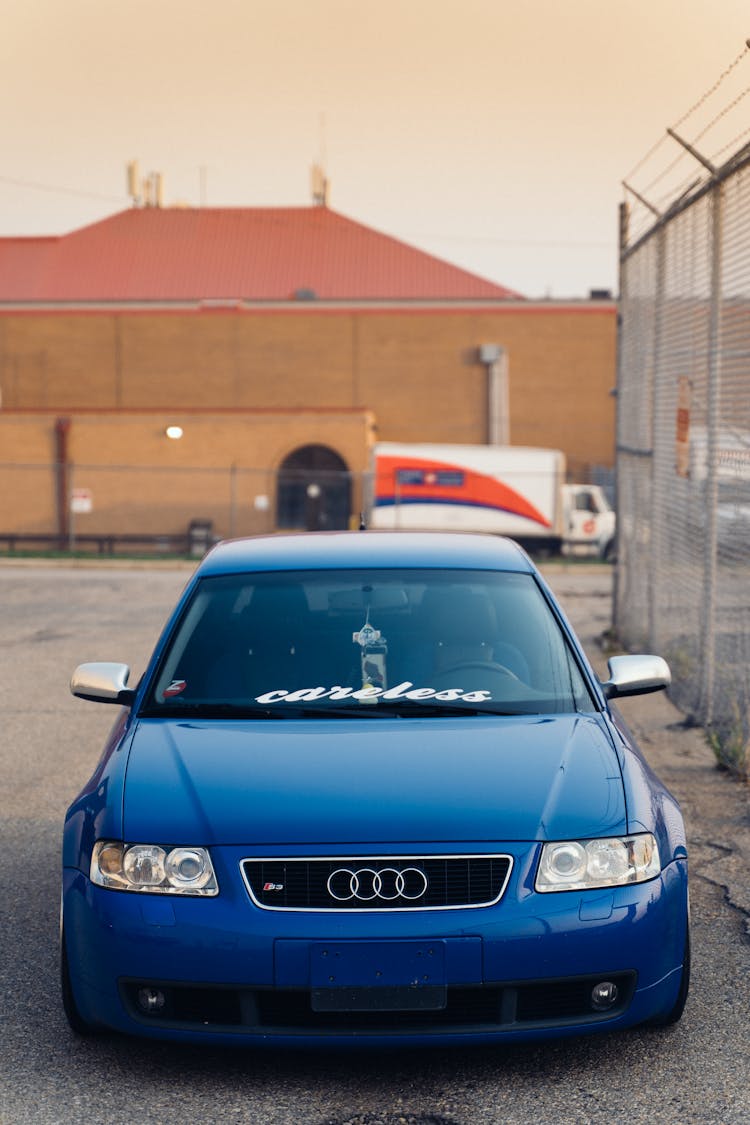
[49,361]
[28,499]
[143,482]
[415,369]
[288,359]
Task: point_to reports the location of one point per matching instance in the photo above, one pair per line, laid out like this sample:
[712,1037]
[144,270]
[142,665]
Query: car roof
[350,549]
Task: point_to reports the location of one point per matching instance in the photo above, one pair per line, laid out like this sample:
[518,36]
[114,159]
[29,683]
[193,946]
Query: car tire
[675,1012]
[72,1014]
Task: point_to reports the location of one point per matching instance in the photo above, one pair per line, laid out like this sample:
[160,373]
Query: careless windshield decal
[371,693]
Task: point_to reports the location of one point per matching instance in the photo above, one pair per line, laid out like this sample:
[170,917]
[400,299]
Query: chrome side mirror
[103,683]
[636,675]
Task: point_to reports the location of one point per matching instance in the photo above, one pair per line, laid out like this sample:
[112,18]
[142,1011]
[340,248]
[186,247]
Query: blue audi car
[370,791]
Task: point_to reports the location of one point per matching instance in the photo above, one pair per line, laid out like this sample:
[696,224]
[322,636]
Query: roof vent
[305,295]
[600,294]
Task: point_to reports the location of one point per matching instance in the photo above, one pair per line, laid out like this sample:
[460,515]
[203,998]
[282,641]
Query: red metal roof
[257,254]
[21,262]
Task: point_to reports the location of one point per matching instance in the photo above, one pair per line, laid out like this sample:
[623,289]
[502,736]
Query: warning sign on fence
[682,434]
[81,501]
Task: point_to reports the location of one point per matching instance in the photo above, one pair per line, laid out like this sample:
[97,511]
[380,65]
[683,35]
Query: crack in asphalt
[697,873]
[392,1119]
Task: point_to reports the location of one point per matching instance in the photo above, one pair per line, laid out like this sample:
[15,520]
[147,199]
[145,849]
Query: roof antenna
[362,522]
[319,186]
[318,179]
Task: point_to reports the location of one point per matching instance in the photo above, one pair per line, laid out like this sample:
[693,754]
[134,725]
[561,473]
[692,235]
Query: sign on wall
[81,501]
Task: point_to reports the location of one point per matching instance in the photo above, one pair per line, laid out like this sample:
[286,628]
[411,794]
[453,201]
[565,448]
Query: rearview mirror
[381,597]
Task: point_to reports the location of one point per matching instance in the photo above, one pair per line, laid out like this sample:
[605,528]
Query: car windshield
[367,642]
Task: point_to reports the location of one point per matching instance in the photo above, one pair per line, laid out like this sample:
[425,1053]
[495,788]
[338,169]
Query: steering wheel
[479,665]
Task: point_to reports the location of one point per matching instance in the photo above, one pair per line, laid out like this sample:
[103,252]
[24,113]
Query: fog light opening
[151,1000]
[604,995]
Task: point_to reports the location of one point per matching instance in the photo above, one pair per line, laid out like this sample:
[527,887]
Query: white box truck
[509,490]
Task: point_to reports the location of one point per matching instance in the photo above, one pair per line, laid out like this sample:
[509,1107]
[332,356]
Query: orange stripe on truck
[440,482]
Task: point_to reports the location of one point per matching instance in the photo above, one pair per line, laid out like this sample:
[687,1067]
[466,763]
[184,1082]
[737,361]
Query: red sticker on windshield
[175,688]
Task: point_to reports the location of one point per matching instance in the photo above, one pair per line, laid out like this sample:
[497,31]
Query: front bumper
[231,972]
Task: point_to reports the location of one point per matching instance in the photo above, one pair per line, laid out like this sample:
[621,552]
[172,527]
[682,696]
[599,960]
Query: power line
[519,242]
[57,190]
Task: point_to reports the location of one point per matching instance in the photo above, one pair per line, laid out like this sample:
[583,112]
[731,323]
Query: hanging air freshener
[374,648]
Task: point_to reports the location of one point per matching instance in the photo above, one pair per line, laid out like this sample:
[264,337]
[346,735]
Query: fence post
[623,235]
[71,515]
[232,500]
[62,470]
[708,630]
[657,513]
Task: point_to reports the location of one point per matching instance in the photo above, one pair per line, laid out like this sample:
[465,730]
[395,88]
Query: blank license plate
[362,976]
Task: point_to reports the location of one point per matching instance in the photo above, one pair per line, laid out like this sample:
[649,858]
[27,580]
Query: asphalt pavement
[54,617]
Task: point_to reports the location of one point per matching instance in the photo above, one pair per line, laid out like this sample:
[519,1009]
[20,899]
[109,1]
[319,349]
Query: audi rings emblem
[387,884]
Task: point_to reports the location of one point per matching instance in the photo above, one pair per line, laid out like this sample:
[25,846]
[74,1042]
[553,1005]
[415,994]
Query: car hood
[314,782]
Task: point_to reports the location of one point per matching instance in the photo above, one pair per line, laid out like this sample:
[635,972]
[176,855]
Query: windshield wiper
[212,710]
[428,709]
[397,708]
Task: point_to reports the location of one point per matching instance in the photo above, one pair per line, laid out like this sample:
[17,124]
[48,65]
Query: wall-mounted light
[174,433]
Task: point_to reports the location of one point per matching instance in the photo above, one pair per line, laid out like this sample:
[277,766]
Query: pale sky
[492,133]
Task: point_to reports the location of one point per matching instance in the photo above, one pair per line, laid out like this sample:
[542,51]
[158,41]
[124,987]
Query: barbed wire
[734,144]
[723,113]
[675,191]
[681,155]
[715,87]
[644,159]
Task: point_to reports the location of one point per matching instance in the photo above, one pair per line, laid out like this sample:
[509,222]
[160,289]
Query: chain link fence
[125,509]
[683,445]
[128,509]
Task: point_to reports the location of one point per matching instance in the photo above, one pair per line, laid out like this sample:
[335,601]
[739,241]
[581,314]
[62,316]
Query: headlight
[580,865]
[153,869]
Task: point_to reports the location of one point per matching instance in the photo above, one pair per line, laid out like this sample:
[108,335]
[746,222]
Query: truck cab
[589,521]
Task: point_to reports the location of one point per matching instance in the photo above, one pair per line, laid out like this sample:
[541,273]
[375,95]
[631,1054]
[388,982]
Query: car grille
[377,882]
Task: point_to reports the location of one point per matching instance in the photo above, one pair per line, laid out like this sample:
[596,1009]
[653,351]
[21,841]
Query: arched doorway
[314,490]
